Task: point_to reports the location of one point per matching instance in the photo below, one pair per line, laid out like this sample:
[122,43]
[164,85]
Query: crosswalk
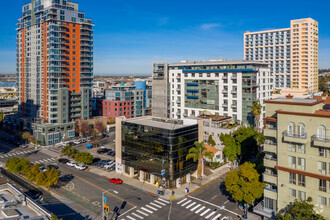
[19,153]
[202,210]
[146,210]
[46,160]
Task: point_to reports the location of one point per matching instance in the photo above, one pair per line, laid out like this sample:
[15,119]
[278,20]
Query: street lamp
[162,172]
[104,201]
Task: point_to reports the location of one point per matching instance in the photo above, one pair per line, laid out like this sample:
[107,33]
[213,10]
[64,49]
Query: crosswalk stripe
[183,204]
[136,215]
[150,207]
[142,213]
[216,217]
[147,210]
[182,201]
[160,202]
[190,205]
[195,207]
[158,206]
[205,212]
[211,214]
[224,218]
[130,218]
[13,154]
[5,155]
[9,155]
[163,200]
[199,210]
[1,156]
[52,158]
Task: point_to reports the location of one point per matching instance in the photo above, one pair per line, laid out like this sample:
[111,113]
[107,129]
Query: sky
[129,34]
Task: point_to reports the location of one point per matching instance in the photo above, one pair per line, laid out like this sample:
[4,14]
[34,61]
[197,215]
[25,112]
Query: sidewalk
[152,189]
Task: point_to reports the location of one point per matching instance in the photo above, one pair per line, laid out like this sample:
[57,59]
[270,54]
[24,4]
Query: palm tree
[197,153]
[256,110]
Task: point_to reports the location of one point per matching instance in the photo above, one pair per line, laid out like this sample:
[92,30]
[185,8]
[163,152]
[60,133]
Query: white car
[76,142]
[88,139]
[80,166]
[109,165]
[71,163]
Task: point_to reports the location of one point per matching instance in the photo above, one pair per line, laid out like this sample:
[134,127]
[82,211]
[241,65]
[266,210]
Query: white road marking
[216,217]
[128,211]
[13,154]
[190,205]
[211,214]
[136,215]
[158,206]
[150,207]
[226,201]
[224,218]
[147,210]
[214,197]
[199,210]
[186,203]
[5,155]
[160,202]
[1,156]
[182,200]
[205,212]
[142,213]
[163,200]
[195,207]
[130,217]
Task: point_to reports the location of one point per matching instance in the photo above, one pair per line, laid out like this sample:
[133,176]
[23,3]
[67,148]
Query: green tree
[324,85]
[48,178]
[16,165]
[25,136]
[83,157]
[211,141]
[197,153]
[243,184]
[256,110]
[299,210]
[32,172]
[54,217]
[99,126]
[231,150]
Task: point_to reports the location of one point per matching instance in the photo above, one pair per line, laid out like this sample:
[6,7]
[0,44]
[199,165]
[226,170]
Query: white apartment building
[221,87]
[292,53]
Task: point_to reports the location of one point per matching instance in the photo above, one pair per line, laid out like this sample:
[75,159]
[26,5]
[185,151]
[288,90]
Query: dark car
[104,163]
[52,166]
[112,153]
[35,195]
[102,150]
[99,163]
[63,160]
[109,151]
[95,160]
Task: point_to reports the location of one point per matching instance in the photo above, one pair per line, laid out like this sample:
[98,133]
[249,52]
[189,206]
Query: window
[322,200]
[321,132]
[292,162]
[291,128]
[301,130]
[322,167]
[292,178]
[301,195]
[292,192]
[301,163]
[292,147]
[322,152]
[269,204]
[301,180]
[323,185]
[301,148]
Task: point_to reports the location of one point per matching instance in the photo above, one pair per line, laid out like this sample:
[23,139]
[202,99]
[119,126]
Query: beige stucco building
[292,54]
[297,154]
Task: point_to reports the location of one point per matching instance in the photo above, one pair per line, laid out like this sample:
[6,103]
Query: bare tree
[77,125]
[84,127]
[99,126]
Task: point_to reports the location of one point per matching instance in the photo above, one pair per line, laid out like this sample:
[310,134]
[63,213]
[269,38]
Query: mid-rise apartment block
[129,100]
[55,67]
[297,152]
[221,87]
[292,54]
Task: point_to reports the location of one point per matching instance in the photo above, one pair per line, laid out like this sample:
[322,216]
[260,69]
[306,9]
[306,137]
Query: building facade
[55,67]
[297,152]
[292,53]
[221,87]
[146,145]
[132,100]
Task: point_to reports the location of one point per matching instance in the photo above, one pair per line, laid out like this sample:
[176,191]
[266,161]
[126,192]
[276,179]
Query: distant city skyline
[129,35]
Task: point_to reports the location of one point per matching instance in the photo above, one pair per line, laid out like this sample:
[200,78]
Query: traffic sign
[163,172]
[172,197]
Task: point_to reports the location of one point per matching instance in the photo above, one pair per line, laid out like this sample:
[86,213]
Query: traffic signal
[106,209]
[123,205]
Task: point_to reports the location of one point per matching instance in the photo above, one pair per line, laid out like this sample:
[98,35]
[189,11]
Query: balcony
[270,177]
[296,138]
[270,131]
[261,210]
[270,162]
[270,147]
[321,141]
[224,91]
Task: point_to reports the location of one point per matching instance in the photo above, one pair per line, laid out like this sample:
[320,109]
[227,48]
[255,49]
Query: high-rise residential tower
[292,54]
[55,67]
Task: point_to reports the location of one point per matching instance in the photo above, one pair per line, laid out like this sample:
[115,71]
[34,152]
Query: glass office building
[148,142]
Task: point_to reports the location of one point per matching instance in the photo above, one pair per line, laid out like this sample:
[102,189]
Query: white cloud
[208,26]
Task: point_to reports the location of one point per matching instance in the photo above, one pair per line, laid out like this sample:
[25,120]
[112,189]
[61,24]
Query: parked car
[42,169]
[80,166]
[116,181]
[71,163]
[76,142]
[88,139]
[109,151]
[99,163]
[104,163]
[95,160]
[63,160]
[24,146]
[102,150]
[109,164]
[35,195]
[111,167]
[112,153]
